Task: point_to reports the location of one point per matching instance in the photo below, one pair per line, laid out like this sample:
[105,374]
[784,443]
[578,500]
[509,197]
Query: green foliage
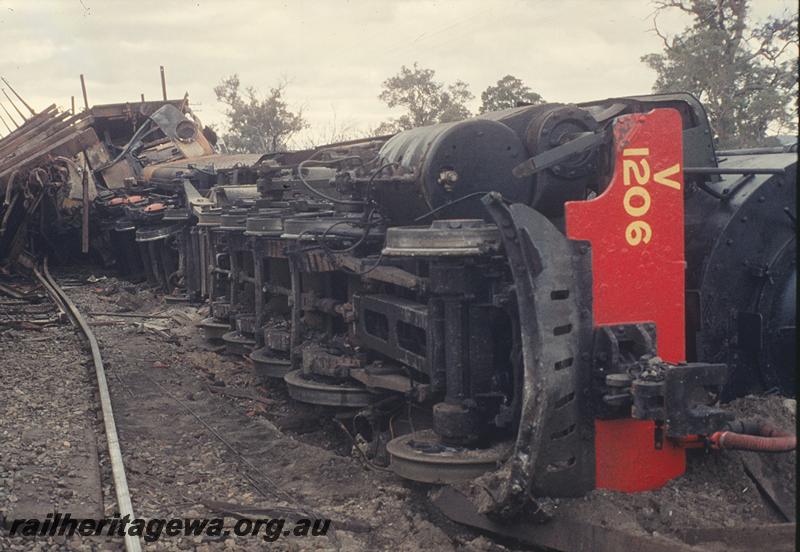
[425,100]
[508,92]
[256,125]
[745,73]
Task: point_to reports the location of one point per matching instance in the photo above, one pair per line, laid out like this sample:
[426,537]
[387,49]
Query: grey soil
[51,436]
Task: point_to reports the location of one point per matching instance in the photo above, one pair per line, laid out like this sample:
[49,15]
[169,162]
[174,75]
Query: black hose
[378,171]
[367,225]
[450,204]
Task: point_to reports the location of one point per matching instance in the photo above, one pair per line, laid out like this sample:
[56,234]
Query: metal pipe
[296,303]
[72,103]
[730,170]
[18,96]
[85,210]
[163,84]
[726,193]
[24,118]
[756,151]
[276,289]
[85,97]
[132,543]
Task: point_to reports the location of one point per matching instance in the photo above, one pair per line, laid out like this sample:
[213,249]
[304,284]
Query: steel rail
[132,543]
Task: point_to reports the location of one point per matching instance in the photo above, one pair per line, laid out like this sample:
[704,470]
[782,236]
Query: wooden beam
[66,146]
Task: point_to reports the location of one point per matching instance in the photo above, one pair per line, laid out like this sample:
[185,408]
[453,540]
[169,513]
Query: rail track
[174,402]
[258,479]
[65,305]
[195,444]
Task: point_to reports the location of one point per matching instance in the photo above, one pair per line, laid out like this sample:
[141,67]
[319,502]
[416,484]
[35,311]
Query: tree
[743,72]
[425,100]
[332,132]
[508,92]
[257,125]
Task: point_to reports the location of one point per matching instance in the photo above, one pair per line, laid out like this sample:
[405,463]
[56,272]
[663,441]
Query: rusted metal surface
[217,160]
[39,160]
[128,110]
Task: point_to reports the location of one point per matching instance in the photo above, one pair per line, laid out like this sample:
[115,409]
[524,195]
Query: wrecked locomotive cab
[129,218]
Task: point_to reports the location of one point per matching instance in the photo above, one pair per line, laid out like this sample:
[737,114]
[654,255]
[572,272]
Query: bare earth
[51,438]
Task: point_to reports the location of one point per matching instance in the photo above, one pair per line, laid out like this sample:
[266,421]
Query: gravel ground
[48,429]
[715,492]
[158,371]
[165,383]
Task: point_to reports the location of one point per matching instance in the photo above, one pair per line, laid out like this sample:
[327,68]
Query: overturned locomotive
[555,298]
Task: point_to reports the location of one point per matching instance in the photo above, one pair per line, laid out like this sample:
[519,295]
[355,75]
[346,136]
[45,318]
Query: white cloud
[28,51]
[336,53]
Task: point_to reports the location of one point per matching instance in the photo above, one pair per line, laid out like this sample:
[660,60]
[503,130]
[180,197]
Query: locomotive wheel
[214,330]
[268,366]
[326,394]
[237,343]
[421,456]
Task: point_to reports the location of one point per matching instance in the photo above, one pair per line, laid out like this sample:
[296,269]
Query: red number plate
[636,230]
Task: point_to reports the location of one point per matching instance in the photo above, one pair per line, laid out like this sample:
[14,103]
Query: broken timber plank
[67,146]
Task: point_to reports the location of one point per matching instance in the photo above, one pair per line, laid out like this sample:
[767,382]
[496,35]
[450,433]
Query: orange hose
[761,438]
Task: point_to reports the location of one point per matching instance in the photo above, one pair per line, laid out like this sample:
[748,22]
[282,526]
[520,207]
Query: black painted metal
[476,152]
[553,452]
[741,250]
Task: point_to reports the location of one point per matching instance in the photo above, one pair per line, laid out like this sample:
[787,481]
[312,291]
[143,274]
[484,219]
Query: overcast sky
[335,53]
